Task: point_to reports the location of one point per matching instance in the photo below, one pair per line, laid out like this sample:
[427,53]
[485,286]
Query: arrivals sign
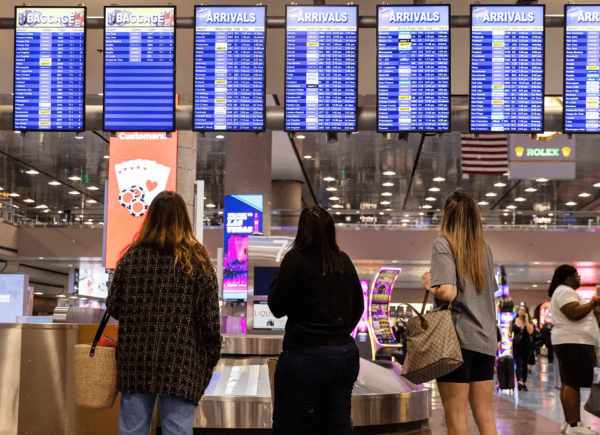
[552,159]
[141,165]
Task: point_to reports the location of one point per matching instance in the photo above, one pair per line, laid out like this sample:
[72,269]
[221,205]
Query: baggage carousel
[238,398]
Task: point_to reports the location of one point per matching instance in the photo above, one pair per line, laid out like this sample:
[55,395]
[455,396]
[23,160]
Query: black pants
[317,378]
[522,359]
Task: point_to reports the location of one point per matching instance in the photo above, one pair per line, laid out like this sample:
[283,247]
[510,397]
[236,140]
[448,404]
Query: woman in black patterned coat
[165,296]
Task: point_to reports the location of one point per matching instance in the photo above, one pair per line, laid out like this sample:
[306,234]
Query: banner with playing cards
[141,165]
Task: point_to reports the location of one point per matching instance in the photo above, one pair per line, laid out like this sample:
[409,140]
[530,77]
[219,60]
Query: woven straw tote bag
[432,346]
[96,373]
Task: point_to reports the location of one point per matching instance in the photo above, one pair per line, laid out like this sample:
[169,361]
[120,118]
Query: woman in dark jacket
[319,291]
[165,296]
[522,329]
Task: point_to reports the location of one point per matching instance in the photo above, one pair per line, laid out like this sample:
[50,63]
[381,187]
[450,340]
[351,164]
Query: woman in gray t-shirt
[462,272]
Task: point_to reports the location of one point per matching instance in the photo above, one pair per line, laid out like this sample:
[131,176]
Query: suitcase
[505,372]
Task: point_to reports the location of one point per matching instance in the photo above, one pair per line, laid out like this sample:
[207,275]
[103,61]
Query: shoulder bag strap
[101,327]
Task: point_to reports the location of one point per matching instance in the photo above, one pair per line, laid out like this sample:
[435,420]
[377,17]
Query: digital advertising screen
[507,69]
[229,68]
[504,320]
[263,277]
[582,69]
[363,324]
[139,68]
[93,282]
[264,319]
[141,165]
[49,69]
[321,67]
[379,306]
[243,217]
[413,68]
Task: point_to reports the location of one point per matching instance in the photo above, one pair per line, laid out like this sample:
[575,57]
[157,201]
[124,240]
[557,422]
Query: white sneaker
[580,430]
[563,427]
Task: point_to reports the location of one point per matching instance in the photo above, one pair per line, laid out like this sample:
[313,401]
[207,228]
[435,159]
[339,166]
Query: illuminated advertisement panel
[141,165]
[243,217]
[363,324]
[505,319]
[379,306]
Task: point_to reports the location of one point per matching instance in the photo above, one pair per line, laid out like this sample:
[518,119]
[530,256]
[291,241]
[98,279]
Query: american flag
[486,155]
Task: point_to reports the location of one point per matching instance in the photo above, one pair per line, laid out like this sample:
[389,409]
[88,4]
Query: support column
[287,195]
[187,150]
[248,169]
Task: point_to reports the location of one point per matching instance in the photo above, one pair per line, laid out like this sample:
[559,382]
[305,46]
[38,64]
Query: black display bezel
[543,6]
[174,69]
[285,72]
[264,110]
[83,109]
[449,70]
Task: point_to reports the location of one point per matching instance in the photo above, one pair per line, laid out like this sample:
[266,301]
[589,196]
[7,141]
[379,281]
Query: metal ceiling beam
[275,118]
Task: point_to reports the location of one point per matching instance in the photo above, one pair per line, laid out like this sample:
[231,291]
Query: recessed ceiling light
[59,212]
[434,189]
[331,189]
[550,214]
[491,194]
[1,188]
[483,203]
[389,173]
[54,183]
[91,201]
[75,178]
[14,194]
[405,220]
[585,195]
[380,212]
[301,136]
[101,94]
[597,185]
[505,214]
[386,194]
[534,285]
[15,206]
[46,211]
[28,200]
[337,212]
[328,179]
[38,293]
[106,157]
[60,296]
[426,206]
[431,198]
[92,188]
[41,206]
[500,185]
[32,172]
[210,206]
[439,179]
[74,192]
[336,206]
[421,214]
[531,189]
[83,299]
[511,207]
[542,180]
[387,184]
[571,203]
[334,198]
[220,136]
[520,199]
[385,203]
[308,157]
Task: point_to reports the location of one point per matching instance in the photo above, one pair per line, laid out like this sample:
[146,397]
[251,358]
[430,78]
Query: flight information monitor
[582,63]
[321,68]
[139,68]
[413,61]
[507,69]
[229,68]
[49,78]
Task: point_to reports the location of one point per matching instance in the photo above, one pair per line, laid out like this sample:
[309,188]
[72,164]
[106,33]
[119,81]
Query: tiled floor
[536,412]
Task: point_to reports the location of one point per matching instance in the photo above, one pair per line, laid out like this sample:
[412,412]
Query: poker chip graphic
[137,208]
[127,196]
[139,192]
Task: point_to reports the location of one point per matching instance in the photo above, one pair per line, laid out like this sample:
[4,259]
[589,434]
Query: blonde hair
[461,227]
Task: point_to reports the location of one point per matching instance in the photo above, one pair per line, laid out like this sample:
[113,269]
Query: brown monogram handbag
[432,345]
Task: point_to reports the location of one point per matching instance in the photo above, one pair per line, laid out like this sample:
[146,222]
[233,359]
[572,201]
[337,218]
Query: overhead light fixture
[386,194]
[210,206]
[380,213]
[387,184]
[500,184]
[101,94]
[337,212]
[220,136]
[301,136]
[14,194]
[336,206]
[331,189]
[421,214]
[28,200]
[32,172]
[41,206]
[434,189]
[550,214]
[1,188]
[91,201]
[60,296]
[46,211]
[334,198]
[308,157]
[405,220]
[511,207]
[520,199]
[74,192]
[328,179]
[585,195]
[38,293]
[491,194]
[92,188]
[15,206]
[427,206]
[75,178]
[106,157]
[439,179]
[531,189]
[83,299]
[385,203]
[79,136]
[389,173]
[505,214]
[483,203]
[542,180]
[571,203]
[597,185]
[54,183]
[431,198]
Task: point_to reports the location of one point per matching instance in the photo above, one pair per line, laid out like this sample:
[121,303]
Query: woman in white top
[573,337]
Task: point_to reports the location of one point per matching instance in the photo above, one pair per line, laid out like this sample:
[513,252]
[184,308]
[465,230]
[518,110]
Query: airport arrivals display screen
[582,63]
[49,80]
[229,68]
[413,61]
[321,68]
[507,69]
[139,68]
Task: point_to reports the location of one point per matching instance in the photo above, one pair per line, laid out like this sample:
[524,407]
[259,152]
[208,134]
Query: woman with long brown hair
[165,296]
[462,273]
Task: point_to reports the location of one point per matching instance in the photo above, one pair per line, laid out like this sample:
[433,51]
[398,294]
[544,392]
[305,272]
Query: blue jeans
[136,410]
[319,379]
